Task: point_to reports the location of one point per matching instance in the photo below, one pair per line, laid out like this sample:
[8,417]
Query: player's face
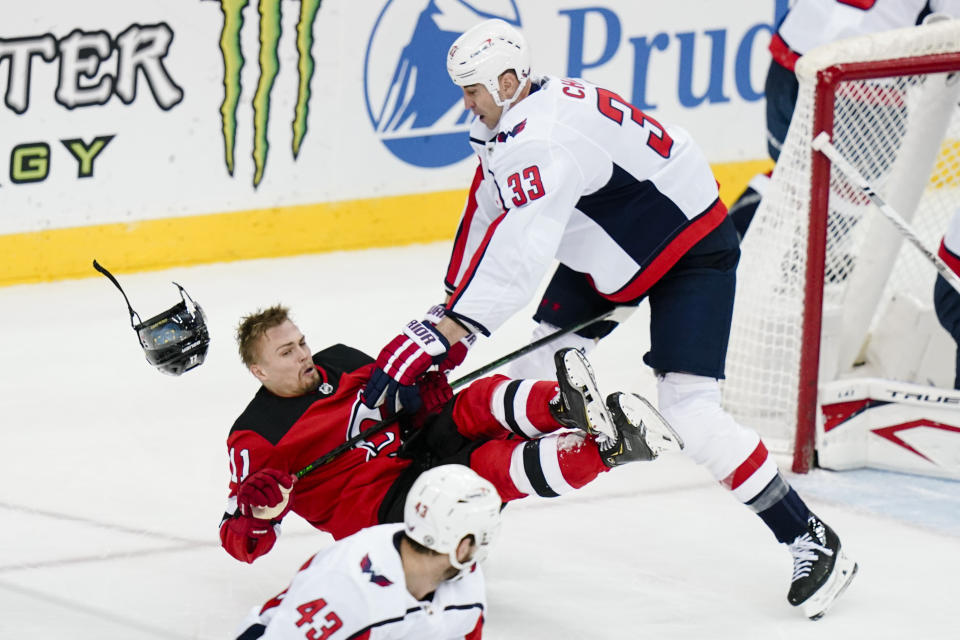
[284,364]
[477,99]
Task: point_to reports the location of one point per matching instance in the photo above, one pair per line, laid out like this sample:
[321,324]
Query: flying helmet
[173,341]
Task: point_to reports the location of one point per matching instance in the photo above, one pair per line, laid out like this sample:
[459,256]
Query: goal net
[820,265]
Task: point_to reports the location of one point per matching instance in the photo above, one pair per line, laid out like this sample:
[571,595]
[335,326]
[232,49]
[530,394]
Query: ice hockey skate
[642,433]
[580,405]
[821,569]
[627,427]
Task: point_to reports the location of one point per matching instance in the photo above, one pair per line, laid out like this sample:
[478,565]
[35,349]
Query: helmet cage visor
[176,340]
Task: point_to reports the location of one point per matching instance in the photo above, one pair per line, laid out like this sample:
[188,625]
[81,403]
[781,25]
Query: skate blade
[660,436]
[843,572]
[580,375]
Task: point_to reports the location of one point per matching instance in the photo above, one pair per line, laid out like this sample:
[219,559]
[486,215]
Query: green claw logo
[233,61]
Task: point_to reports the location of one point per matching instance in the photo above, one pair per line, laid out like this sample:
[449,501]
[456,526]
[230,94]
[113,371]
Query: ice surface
[113,479]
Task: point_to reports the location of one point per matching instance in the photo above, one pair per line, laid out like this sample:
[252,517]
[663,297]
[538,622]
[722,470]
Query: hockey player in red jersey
[515,433]
[411,581]
[631,210]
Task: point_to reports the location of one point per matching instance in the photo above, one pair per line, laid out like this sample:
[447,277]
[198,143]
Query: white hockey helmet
[484,52]
[447,504]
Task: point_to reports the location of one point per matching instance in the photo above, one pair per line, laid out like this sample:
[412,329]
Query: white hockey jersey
[811,23]
[356,589]
[575,173]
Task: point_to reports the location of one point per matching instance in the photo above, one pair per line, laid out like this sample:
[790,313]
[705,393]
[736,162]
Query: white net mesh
[902,132]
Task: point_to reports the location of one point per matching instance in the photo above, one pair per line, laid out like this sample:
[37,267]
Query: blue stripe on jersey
[357,634]
[469,324]
[635,214]
[253,632]
[475,605]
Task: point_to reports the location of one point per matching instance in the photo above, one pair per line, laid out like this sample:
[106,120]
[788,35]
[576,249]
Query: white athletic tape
[269,513]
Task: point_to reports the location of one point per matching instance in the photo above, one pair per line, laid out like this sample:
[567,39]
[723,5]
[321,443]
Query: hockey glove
[458,351]
[435,392]
[400,363]
[264,489]
[246,538]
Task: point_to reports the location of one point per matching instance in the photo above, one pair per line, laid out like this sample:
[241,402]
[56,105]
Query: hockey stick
[617,314]
[822,144]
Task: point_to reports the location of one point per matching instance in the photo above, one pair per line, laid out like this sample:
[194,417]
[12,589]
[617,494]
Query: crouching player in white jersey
[630,208]
[420,579]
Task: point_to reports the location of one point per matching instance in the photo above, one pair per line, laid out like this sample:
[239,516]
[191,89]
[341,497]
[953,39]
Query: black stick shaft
[536,344]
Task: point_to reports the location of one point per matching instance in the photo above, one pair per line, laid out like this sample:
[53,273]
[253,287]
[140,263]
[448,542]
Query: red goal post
[819,268]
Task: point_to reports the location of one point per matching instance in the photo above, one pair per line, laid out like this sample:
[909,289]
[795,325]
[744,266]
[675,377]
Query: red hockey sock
[495,406]
[548,466]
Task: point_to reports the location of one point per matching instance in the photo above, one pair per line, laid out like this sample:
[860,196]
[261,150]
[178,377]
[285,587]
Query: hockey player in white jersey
[416,580]
[807,25]
[630,208]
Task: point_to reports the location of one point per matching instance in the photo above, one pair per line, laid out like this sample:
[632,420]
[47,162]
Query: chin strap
[506,104]
[185,297]
[133,314]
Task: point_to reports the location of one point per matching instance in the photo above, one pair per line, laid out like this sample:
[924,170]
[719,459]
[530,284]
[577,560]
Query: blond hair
[254,326]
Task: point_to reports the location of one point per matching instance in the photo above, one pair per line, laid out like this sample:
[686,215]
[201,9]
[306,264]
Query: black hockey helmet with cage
[177,339]
[174,341]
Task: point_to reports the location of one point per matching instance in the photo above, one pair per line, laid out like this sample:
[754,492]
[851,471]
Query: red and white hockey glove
[246,538]
[400,363]
[457,352]
[265,488]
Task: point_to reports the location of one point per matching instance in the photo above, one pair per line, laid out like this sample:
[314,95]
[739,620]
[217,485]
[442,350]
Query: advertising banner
[214,126]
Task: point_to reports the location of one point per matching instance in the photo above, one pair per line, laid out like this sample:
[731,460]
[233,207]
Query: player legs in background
[781,89]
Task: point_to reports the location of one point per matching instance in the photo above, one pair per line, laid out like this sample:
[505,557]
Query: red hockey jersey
[344,495]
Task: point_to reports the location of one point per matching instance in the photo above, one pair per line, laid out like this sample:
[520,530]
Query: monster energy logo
[233,61]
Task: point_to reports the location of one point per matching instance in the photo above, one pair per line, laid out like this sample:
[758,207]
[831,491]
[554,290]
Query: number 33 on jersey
[577,173]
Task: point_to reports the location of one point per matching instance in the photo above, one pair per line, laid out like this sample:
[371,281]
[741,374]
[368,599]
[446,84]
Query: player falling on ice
[525,436]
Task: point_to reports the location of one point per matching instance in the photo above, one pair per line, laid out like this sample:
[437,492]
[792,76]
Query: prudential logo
[269,19]
[416,111]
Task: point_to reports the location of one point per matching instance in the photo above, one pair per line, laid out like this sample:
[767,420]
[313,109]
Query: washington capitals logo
[367,567]
[503,135]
